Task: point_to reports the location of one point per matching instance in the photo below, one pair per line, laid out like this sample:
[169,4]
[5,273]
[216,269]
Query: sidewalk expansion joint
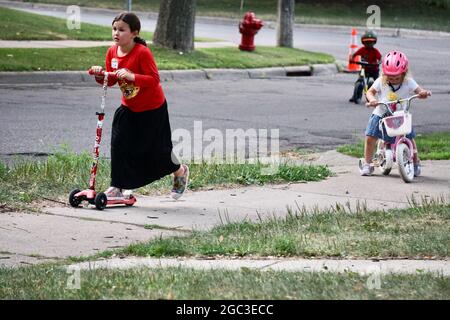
[119,222]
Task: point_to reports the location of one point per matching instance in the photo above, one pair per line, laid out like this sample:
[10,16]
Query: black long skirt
[141,147]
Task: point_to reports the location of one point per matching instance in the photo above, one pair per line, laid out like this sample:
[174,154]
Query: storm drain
[299,73]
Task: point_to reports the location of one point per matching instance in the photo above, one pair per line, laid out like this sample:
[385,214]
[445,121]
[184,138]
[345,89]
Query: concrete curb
[81,77]
[45,77]
[362,267]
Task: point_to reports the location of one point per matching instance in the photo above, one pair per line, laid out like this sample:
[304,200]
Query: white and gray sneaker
[366,169]
[127,193]
[114,193]
[180,183]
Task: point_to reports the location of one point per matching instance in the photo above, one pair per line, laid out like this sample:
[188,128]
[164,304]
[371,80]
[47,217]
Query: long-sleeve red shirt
[370,55]
[145,93]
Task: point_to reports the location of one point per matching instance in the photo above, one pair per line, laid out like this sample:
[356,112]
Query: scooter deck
[89,195]
[127,201]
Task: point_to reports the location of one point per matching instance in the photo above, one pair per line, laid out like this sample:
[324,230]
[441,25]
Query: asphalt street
[311,112]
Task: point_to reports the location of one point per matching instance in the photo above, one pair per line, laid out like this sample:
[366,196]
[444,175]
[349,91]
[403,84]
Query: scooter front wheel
[74,201]
[131,202]
[404,162]
[101,201]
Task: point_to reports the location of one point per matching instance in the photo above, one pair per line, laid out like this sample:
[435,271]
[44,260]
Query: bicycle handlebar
[365,64]
[399,101]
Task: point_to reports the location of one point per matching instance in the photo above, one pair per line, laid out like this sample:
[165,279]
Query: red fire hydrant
[249,27]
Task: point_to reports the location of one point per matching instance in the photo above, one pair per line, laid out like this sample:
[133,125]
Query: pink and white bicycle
[398,124]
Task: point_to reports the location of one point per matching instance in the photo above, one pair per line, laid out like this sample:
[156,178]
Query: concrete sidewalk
[61,231]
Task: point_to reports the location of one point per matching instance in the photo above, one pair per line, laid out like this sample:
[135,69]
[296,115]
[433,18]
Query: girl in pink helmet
[394,84]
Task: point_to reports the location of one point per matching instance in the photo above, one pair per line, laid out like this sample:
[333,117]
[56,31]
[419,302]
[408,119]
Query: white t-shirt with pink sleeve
[385,92]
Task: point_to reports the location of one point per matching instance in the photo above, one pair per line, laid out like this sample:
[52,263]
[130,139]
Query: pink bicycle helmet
[395,63]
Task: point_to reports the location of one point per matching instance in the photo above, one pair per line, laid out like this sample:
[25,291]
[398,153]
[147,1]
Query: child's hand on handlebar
[96,70]
[423,94]
[372,103]
[125,74]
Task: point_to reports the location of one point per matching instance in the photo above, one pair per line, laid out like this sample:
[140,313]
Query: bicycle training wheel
[385,158]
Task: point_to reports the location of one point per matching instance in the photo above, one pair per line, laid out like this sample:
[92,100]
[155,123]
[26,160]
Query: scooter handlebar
[101,73]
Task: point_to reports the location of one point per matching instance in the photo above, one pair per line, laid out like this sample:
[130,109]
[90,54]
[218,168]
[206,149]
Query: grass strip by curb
[44,282]
[66,59]
[26,180]
[419,232]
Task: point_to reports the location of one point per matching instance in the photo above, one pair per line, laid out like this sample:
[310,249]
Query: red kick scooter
[98,199]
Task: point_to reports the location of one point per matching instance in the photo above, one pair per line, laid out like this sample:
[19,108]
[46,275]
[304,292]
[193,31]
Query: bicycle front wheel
[358,91]
[404,162]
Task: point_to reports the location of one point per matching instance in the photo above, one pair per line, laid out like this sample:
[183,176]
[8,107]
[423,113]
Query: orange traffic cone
[353,67]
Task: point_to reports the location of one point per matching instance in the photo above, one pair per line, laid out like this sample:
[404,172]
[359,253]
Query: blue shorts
[373,130]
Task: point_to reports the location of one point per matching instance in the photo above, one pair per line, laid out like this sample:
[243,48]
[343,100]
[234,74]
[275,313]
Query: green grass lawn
[417,14]
[49,282]
[417,232]
[26,181]
[19,25]
[26,26]
[434,146]
[84,58]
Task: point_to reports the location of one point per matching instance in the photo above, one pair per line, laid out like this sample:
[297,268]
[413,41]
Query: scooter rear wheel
[101,201]
[74,201]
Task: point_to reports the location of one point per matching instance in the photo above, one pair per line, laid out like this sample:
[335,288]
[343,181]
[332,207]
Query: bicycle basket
[399,124]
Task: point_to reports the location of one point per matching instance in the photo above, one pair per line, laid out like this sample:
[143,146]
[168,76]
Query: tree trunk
[175,26]
[285,25]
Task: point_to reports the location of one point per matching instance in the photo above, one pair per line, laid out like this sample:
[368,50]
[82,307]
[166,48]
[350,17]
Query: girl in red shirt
[141,138]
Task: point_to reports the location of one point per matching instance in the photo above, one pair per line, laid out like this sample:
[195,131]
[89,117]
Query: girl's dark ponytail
[140,41]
